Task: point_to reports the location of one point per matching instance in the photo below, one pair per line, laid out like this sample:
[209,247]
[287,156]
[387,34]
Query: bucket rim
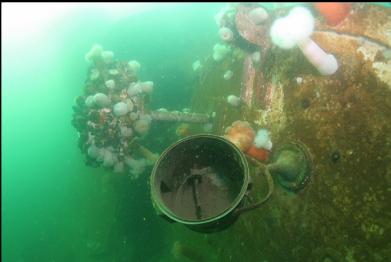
[166,211]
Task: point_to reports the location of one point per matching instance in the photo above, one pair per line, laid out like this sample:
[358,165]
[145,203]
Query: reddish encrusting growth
[258,153]
[248,78]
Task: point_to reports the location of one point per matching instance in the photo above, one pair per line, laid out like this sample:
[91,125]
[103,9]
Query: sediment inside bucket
[200,179]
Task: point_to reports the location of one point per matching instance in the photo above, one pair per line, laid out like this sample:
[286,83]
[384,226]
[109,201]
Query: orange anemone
[183,130]
[333,12]
[241,134]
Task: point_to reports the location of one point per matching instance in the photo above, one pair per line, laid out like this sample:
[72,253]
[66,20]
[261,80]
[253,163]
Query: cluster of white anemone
[141,123]
[97,53]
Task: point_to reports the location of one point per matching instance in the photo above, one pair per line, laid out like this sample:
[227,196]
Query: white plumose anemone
[303,20]
[120,109]
[228,75]
[109,158]
[113,72]
[101,154]
[281,34]
[107,56]
[287,31]
[101,100]
[136,166]
[110,84]
[147,87]
[94,74]
[126,131]
[226,34]
[93,151]
[89,101]
[142,125]
[133,116]
[262,139]
[256,57]
[228,11]
[134,89]
[146,117]
[134,66]
[196,65]
[95,52]
[233,100]
[258,15]
[130,105]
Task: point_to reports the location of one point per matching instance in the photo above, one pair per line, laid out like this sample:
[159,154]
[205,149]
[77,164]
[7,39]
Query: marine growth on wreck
[317,75]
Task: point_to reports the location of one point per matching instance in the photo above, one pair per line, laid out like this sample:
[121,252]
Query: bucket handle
[270,184]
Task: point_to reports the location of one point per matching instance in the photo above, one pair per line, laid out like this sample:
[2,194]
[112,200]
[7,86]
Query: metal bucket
[201,181]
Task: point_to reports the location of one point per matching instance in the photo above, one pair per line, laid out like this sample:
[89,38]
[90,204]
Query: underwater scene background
[257,85]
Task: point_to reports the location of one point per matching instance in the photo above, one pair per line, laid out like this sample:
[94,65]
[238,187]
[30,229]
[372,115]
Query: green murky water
[54,208]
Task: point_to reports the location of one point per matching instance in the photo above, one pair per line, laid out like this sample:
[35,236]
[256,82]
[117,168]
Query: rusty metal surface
[344,119]
[249,30]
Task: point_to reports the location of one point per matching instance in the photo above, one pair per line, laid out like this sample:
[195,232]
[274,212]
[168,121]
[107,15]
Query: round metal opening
[199,179]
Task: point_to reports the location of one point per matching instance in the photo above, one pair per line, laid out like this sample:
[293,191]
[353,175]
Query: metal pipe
[176,116]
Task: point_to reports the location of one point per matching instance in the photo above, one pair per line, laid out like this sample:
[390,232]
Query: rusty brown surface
[249,30]
[248,78]
[344,214]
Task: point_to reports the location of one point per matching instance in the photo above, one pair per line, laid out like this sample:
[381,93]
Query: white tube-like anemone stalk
[296,29]
[325,63]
